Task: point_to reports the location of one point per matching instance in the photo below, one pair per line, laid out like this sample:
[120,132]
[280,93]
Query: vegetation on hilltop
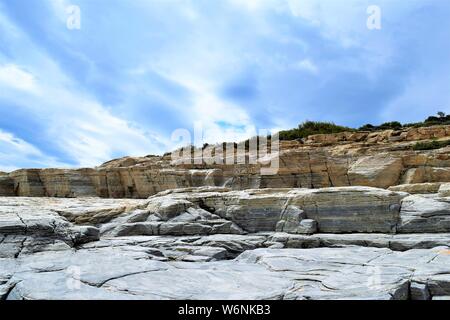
[308,128]
[440,119]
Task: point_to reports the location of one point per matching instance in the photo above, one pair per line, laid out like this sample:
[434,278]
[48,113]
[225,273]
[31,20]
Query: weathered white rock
[341,210]
[293,220]
[351,209]
[444,190]
[381,170]
[397,242]
[179,245]
[118,272]
[167,215]
[424,214]
[43,224]
[417,188]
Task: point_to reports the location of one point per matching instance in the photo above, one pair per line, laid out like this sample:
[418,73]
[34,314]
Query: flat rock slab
[121,272]
[222,244]
[396,242]
[209,211]
[76,210]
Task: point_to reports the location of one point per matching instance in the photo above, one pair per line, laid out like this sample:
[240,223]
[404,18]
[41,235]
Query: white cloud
[93,135]
[13,76]
[255,5]
[307,65]
[14,150]
[75,123]
[200,50]
[209,109]
[212,111]
[10,143]
[60,8]
[85,130]
[306,9]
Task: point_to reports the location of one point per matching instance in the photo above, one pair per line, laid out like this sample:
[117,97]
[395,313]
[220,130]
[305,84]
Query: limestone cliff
[377,159]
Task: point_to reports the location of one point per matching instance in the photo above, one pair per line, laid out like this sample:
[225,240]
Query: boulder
[351,209]
[424,214]
[382,170]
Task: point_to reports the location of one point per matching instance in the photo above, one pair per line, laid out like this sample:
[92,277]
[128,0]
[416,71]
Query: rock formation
[215,243]
[348,216]
[378,159]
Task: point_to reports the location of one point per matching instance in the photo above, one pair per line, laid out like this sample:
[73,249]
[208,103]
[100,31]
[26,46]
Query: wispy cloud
[307,65]
[14,77]
[116,88]
[16,153]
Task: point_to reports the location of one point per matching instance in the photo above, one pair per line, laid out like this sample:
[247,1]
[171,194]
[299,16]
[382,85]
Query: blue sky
[138,70]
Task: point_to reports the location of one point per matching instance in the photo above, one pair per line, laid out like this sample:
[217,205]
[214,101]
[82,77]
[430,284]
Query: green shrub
[441,119]
[313,127]
[431,145]
[310,128]
[367,127]
[394,125]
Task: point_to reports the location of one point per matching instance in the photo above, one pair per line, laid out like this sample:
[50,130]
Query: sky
[136,71]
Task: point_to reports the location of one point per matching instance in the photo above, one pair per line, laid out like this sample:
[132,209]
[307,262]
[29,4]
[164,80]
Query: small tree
[367,127]
[441,114]
[395,125]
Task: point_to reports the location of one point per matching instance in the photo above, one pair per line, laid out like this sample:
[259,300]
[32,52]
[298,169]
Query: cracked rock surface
[214,243]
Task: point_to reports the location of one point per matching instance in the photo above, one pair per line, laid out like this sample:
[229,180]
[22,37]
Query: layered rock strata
[379,159]
[217,243]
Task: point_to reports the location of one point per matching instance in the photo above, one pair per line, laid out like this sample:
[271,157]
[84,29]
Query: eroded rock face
[425,213]
[35,224]
[215,243]
[381,170]
[380,159]
[6,185]
[346,209]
